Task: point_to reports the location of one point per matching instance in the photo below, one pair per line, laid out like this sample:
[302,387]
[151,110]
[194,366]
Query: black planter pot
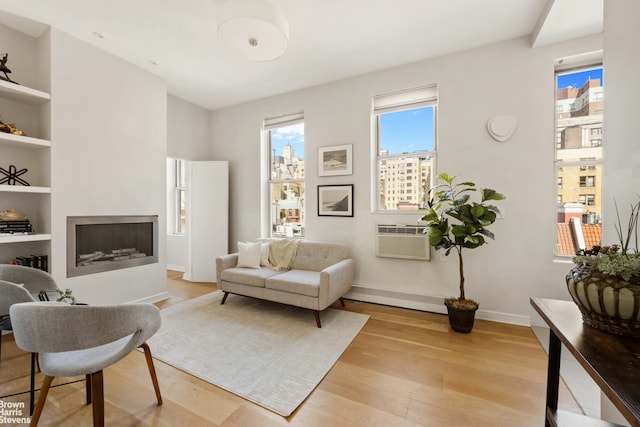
[461,318]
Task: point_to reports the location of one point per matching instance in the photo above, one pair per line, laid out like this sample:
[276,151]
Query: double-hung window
[177,175]
[578,159]
[405,147]
[285,143]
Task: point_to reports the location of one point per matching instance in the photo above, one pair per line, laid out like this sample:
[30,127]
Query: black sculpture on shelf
[4,69]
[11,176]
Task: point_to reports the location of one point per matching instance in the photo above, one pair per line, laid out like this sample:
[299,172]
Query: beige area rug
[270,354]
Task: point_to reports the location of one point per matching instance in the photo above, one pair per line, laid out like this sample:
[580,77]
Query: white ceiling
[329,39]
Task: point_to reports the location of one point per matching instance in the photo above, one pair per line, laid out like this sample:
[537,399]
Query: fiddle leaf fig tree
[454,221]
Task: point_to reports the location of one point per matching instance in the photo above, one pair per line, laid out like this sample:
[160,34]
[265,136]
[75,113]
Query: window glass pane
[287,209]
[287,152]
[406,144]
[404,182]
[286,155]
[407,131]
[578,158]
[181,199]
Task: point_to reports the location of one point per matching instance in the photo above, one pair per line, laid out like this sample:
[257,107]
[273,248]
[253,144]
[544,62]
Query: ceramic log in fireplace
[103,243]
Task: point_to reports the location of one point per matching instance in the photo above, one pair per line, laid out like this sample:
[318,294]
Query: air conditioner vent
[402,241]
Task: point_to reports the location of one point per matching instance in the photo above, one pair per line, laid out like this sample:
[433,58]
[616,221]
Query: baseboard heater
[402,241]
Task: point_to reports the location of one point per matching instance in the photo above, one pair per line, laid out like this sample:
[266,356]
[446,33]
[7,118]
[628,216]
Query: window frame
[176,180]
[270,124]
[562,164]
[404,100]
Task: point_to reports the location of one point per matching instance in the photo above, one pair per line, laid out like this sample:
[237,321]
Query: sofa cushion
[296,281]
[248,276]
[249,254]
[316,256]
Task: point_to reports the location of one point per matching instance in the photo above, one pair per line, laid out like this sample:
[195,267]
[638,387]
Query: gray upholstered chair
[20,284]
[74,340]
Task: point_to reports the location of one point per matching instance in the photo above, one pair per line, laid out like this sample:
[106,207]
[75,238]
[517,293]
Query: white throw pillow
[264,254]
[249,254]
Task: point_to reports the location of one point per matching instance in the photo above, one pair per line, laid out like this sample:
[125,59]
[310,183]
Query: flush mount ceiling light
[253,29]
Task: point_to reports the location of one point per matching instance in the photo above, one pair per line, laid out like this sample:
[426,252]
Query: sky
[578,79]
[407,131]
[293,135]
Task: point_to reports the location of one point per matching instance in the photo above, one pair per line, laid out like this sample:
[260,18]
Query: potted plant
[605,281]
[454,221]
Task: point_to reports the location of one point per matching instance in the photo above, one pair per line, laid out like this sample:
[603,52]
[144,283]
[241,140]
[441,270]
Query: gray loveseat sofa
[321,273]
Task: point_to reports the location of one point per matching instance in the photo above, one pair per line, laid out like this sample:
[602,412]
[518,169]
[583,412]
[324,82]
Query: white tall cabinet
[207,218]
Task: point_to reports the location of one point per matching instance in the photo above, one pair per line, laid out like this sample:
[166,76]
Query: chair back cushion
[12,293]
[50,327]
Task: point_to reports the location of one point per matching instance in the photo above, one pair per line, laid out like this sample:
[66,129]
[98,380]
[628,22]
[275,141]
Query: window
[578,159]
[587,181]
[285,137]
[177,173]
[587,199]
[404,143]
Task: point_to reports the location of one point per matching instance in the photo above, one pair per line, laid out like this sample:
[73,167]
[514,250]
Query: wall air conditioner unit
[402,241]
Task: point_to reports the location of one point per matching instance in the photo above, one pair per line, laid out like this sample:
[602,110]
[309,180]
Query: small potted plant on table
[454,221]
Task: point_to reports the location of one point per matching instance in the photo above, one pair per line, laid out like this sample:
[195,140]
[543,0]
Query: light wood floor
[405,368]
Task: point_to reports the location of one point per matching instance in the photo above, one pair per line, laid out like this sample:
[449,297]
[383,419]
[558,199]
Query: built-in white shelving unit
[22,94]
[26,107]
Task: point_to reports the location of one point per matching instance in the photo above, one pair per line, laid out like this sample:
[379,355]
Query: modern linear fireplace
[103,243]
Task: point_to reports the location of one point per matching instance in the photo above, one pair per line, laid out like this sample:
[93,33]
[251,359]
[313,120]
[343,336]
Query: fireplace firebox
[102,243]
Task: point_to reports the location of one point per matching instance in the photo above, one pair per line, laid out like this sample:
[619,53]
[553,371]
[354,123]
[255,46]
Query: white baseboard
[433,304]
[153,298]
[397,299]
[175,267]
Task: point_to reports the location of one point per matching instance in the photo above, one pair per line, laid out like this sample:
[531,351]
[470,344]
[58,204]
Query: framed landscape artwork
[335,200]
[335,160]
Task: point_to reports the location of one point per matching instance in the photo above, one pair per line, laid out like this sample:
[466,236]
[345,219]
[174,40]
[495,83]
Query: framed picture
[335,200]
[336,160]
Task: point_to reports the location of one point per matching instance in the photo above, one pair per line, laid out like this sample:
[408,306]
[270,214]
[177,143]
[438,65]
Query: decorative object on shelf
[41,262]
[502,127]
[12,176]
[605,283]
[452,201]
[255,30]
[336,160]
[15,226]
[11,215]
[10,128]
[4,69]
[335,200]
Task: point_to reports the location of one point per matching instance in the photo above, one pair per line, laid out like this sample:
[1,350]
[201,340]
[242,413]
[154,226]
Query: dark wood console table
[612,361]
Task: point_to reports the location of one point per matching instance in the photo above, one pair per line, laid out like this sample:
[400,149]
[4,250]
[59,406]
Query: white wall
[475,85]
[621,65]
[109,148]
[189,138]
[621,159]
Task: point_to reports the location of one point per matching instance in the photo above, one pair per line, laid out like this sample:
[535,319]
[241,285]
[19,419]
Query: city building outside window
[579,140]
[405,146]
[285,137]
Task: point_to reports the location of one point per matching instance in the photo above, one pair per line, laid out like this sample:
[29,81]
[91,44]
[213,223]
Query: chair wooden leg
[342,302]
[44,390]
[32,382]
[152,371]
[317,314]
[224,298]
[87,386]
[97,392]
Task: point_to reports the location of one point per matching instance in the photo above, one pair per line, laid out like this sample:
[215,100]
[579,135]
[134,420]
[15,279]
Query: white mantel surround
[109,145]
